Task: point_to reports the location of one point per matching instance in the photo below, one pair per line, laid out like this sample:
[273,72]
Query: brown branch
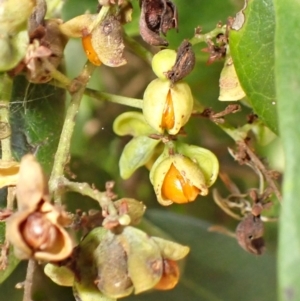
[29,280]
[257,162]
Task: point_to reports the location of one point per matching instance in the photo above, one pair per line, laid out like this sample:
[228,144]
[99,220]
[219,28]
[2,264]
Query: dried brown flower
[36,229]
[157,17]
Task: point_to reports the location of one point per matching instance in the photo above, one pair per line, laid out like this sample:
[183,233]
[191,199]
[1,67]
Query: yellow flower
[166,106]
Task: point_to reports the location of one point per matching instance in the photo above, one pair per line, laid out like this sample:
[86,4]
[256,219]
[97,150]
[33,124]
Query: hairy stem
[62,154]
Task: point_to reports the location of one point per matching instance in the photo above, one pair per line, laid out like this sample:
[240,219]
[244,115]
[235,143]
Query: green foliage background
[217,268]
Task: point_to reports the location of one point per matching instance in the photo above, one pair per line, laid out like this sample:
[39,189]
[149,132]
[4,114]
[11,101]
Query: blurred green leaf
[12,264]
[252,49]
[287,74]
[37,115]
[217,268]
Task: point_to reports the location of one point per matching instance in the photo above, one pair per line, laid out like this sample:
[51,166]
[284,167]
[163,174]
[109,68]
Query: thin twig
[127,101]
[29,280]
[6,155]
[257,162]
[199,37]
[102,198]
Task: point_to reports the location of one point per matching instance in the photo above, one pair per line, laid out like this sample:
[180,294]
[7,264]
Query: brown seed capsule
[38,232]
[184,64]
[249,233]
[157,16]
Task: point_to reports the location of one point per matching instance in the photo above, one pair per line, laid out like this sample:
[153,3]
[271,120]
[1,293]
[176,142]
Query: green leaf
[287,71]
[137,152]
[131,123]
[252,49]
[12,264]
[37,115]
[216,268]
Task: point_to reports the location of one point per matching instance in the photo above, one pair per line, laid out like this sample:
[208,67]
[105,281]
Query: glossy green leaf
[252,50]
[217,268]
[136,153]
[287,71]
[37,115]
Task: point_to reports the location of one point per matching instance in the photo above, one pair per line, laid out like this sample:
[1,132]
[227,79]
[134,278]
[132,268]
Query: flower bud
[177,179]
[167,107]
[162,62]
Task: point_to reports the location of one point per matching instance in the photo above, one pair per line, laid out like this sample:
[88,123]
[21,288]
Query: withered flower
[185,62]
[111,265]
[36,229]
[249,233]
[157,17]
[104,43]
[46,42]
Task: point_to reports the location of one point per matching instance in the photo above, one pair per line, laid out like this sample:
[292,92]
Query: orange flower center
[177,188]
[90,51]
[168,118]
[170,275]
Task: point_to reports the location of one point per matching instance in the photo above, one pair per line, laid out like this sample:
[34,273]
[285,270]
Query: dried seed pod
[50,44]
[185,62]
[249,233]
[104,44]
[113,276]
[157,16]
[36,230]
[107,42]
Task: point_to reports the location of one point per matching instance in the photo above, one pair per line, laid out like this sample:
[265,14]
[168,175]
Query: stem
[102,198]
[102,96]
[138,49]
[29,280]
[6,155]
[262,168]
[199,38]
[100,17]
[76,88]
[56,74]
[62,154]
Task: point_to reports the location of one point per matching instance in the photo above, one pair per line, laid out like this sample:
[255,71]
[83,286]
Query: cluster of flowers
[178,172]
